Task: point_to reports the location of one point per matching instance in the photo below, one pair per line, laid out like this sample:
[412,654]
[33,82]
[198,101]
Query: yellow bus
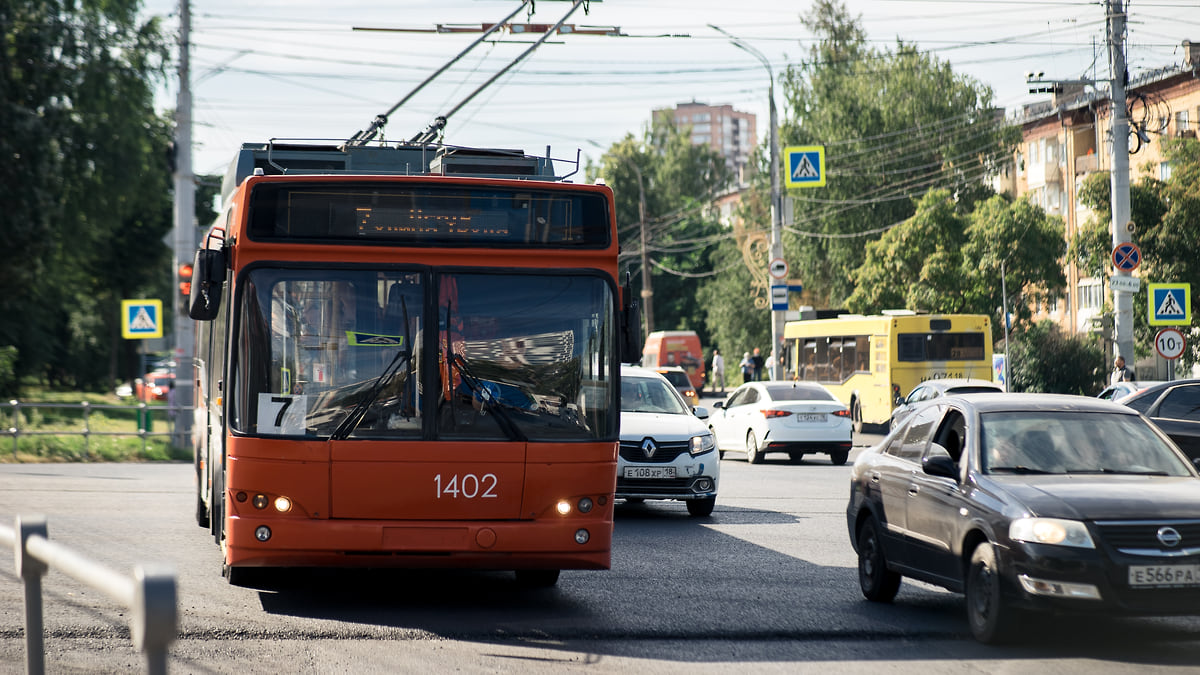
[871,362]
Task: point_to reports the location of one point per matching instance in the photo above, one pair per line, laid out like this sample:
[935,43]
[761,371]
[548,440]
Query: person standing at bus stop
[747,367]
[718,371]
[1120,373]
[758,361]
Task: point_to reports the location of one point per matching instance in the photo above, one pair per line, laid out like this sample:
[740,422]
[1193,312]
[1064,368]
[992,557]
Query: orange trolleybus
[408,356]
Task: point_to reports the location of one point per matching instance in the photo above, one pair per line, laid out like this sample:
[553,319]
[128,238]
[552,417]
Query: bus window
[319,342]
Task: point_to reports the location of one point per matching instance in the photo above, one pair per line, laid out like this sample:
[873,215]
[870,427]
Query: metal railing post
[155,621]
[87,431]
[31,570]
[15,429]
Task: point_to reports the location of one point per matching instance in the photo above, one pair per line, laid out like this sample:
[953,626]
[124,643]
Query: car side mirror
[718,405]
[937,462]
[701,412]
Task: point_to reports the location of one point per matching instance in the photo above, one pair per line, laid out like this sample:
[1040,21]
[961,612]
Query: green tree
[664,183]
[895,123]
[87,200]
[943,262]
[1167,215]
[1042,359]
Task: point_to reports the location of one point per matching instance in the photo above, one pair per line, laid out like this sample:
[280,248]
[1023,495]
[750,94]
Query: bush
[1042,359]
[8,371]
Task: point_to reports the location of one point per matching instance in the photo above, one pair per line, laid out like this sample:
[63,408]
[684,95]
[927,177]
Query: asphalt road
[767,584]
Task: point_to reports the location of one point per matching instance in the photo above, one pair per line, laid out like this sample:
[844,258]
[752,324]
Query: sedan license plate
[810,417]
[649,472]
[1147,576]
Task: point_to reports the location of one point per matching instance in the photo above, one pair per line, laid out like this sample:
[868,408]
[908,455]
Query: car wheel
[796,457]
[701,507]
[991,618]
[537,578]
[838,457]
[878,583]
[753,456]
[856,416]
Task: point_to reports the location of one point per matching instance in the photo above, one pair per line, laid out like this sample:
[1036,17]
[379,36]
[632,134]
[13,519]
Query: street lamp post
[778,317]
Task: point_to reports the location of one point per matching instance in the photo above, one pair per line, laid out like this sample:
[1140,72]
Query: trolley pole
[185,234]
[1122,228]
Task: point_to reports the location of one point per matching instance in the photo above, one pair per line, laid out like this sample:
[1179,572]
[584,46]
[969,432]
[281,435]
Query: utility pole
[1122,227]
[185,235]
[778,317]
[647,283]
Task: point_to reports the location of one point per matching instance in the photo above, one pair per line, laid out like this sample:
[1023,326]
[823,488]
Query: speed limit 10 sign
[1169,343]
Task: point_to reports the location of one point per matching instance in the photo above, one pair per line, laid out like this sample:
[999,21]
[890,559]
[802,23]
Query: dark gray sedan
[1029,502]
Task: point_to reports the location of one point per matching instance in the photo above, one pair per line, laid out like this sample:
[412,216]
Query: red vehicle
[153,386]
[408,357]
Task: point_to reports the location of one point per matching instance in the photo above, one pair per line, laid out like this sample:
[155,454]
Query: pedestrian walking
[718,371]
[747,366]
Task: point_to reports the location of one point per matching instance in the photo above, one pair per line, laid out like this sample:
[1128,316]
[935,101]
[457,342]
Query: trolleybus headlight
[260,501]
[263,533]
[283,504]
[582,536]
[585,505]
[564,507]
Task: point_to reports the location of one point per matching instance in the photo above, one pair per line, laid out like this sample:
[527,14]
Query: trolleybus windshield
[375,353]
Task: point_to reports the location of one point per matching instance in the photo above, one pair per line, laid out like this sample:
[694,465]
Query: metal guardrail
[150,595]
[144,413]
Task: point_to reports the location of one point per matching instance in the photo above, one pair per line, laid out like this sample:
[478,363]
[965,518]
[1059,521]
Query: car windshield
[790,393]
[650,395]
[1061,442]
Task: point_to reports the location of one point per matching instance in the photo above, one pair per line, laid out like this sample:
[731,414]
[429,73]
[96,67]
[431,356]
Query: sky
[299,69]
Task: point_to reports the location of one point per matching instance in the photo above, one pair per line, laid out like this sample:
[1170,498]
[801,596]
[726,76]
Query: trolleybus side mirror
[631,326]
[208,273]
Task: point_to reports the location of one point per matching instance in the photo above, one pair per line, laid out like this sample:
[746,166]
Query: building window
[1090,295]
[1181,121]
[1033,153]
[1164,171]
[1020,164]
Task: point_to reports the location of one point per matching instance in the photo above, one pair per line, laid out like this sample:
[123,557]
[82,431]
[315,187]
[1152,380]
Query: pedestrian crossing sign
[141,319]
[1170,304]
[805,165]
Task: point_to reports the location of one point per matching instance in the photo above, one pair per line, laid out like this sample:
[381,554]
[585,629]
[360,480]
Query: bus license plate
[1164,575]
[649,472]
[811,417]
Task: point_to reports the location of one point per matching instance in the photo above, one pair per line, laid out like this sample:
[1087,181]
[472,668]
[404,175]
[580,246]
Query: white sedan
[798,418]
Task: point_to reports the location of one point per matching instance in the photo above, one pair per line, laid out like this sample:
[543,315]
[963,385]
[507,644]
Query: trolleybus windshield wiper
[484,395]
[403,355]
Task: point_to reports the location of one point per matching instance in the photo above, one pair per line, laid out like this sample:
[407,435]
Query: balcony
[1087,164]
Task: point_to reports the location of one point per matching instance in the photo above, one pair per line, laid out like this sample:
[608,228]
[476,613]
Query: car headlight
[1051,531]
[701,444]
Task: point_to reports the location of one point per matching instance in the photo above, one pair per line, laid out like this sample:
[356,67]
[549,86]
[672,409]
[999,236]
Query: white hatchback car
[798,418]
[667,451]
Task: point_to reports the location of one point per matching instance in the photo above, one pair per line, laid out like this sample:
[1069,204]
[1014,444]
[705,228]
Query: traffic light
[185,280]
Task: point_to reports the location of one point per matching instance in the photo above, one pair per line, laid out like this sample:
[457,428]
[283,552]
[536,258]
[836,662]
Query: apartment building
[729,132]
[1068,138]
